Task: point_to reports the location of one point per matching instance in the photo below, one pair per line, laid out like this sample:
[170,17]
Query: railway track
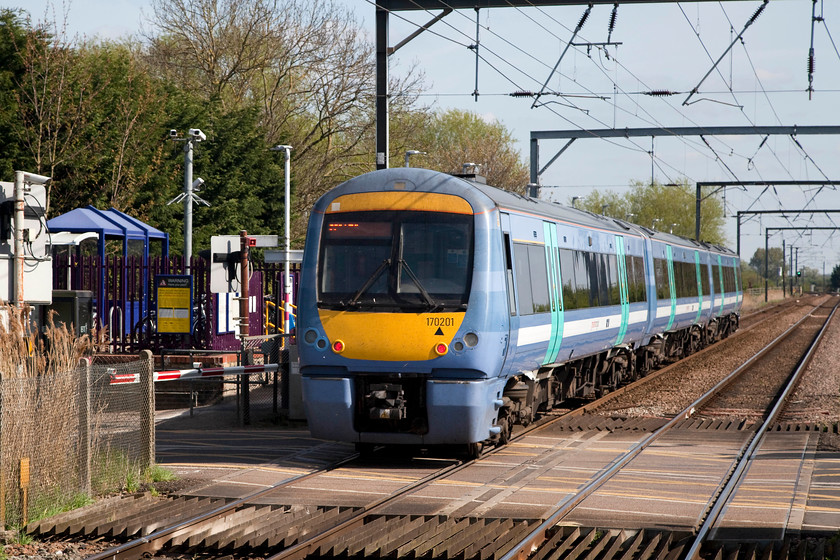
[259,523]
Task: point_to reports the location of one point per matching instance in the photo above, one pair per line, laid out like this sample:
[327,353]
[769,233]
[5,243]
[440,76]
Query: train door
[555,291]
[672,286]
[513,323]
[719,280]
[698,269]
[621,255]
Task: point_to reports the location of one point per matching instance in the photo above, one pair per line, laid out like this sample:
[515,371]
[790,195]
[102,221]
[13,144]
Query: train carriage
[439,310]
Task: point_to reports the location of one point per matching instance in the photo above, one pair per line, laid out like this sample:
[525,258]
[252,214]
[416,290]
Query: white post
[287,205]
[287,280]
[19,258]
[188,202]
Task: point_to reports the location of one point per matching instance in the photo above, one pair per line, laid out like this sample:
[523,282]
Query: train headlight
[471,339]
[310,336]
[458,346]
[338,346]
[441,348]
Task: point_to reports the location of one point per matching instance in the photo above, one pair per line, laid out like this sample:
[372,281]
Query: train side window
[663,285]
[635,279]
[612,279]
[691,279]
[539,279]
[522,270]
[704,278]
[678,279]
[567,274]
[591,261]
[581,280]
[509,272]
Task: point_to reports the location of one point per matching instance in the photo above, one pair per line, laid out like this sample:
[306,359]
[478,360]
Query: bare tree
[305,63]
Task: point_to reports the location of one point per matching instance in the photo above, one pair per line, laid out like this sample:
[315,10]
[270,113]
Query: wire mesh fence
[70,434]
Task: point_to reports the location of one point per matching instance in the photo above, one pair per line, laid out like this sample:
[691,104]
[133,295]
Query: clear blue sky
[663,47]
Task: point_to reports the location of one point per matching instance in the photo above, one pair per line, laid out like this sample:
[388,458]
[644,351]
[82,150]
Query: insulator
[522,93]
[613,17]
[811,62]
[757,13]
[660,93]
[584,17]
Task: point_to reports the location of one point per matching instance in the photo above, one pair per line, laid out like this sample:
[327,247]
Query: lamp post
[410,153]
[188,195]
[287,280]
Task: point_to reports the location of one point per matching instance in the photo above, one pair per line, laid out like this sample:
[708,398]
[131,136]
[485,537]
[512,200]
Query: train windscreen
[396,260]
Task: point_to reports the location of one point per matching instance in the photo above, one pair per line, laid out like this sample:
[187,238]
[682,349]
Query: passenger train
[435,309]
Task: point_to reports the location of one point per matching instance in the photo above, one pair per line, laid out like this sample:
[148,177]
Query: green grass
[156,473]
[49,506]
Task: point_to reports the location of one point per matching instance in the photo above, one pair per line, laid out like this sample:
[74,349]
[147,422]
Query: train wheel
[474,450]
[506,424]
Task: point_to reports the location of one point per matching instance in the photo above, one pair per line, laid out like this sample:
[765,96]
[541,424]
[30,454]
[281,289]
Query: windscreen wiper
[429,300]
[373,277]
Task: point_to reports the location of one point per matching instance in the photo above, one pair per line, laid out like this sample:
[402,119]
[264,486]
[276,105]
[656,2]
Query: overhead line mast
[385,7]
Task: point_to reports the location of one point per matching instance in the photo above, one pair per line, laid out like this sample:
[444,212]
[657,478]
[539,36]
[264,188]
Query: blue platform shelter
[112,224]
[136,239]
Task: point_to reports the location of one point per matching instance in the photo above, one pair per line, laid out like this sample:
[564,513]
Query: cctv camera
[197,134]
[173,133]
[197,183]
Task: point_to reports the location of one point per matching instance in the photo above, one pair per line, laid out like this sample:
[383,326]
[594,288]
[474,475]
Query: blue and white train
[435,309]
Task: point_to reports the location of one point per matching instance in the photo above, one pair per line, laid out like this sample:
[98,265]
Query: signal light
[338,346]
[252,241]
[441,348]
[799,273]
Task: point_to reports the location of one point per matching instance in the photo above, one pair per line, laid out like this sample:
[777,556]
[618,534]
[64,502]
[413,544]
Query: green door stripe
[672,286]
[720,278]
[622,288]
[699,286]
[555,294]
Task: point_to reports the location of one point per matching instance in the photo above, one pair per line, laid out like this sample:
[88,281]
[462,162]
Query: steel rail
[153,542]
[745,459]
[540,534]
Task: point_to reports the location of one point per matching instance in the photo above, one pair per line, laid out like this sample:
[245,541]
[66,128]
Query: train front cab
[414,366]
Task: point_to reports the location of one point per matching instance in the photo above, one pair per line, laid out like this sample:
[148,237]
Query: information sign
[174,303]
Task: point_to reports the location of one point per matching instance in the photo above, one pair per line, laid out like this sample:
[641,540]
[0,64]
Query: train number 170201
[440,321]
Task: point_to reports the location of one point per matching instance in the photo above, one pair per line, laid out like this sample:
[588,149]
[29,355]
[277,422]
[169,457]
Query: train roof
[443,182]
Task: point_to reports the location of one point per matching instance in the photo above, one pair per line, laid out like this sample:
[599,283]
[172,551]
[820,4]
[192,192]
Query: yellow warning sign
[174,303]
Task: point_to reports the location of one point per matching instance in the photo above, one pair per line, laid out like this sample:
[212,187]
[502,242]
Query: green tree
[454,137]
[669,208]
[776,262]
[835,278]
[13,37]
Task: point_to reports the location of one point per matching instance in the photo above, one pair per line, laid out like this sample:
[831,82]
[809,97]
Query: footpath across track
[521,500]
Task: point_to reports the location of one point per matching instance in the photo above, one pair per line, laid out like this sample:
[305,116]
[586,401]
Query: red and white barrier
[195,373]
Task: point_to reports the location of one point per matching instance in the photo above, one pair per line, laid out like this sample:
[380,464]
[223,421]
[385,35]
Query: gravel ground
[817,397]
[693,376]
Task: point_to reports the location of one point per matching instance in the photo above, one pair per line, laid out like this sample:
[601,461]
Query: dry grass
[39,384]
[755,300]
